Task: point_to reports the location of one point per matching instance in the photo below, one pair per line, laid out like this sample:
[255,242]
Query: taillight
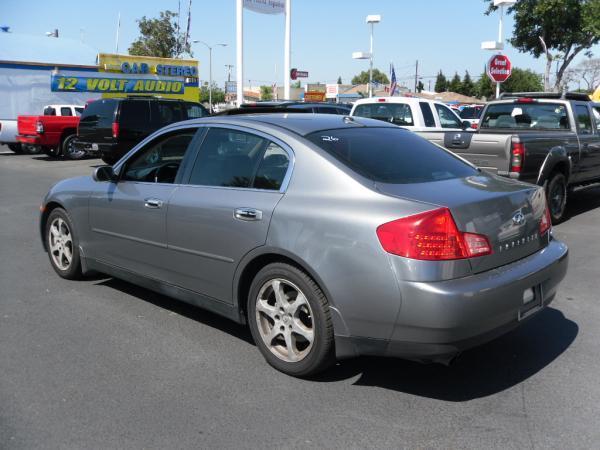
[115,129]
[517,155]
[474,126]
[39,127]
[546,222]
[432,236]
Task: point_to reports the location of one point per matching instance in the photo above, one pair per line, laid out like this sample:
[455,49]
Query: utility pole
[416,74]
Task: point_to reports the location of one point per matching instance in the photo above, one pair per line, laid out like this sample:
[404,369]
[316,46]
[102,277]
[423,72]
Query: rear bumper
[94,148]
[438,320]
[32,140]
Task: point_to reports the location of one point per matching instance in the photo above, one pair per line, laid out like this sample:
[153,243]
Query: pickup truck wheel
[52,152]
[556,194]
[69,150]
[32,149]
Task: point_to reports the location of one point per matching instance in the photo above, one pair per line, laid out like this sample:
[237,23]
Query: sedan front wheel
[62,245]
[290,320]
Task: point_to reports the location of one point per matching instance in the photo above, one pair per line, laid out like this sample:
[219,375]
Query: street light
[499,44]
[371,19]
[209,47]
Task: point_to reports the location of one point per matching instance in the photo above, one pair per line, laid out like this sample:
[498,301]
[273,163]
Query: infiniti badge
[518,218]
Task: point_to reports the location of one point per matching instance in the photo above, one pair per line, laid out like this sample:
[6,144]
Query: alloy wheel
[285,320]
[60,243]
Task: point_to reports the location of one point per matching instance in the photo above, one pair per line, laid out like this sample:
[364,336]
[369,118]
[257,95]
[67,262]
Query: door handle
[153,203]
[247,214]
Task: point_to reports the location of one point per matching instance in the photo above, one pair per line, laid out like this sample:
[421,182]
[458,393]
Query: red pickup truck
[53,134]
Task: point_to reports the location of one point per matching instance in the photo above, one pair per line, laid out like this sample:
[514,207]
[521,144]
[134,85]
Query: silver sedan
[330,236]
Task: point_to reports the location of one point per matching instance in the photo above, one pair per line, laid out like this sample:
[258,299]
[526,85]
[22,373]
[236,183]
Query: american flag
[393,84]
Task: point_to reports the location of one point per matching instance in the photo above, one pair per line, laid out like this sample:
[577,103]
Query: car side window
[584,122]
[159,160]
[135,114]
[427,114]
[447,118]
[232,158]
[596,112]
[65,111]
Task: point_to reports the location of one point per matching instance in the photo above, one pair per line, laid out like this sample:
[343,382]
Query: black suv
[111,127]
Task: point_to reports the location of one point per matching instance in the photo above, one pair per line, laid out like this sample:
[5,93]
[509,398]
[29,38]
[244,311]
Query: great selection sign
[265,6]
[499,68]
[61,83]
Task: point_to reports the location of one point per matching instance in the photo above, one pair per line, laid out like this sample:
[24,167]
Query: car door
[128,216]
[224,208]
[589,143]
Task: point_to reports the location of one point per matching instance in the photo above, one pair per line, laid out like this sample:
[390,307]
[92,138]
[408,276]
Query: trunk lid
[508,212]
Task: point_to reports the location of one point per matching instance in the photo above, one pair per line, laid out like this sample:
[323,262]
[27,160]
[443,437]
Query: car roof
[410,100]
[298,123]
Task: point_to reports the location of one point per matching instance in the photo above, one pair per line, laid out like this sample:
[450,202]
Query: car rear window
[534,116]
[391,155]
[470,113]
[396,113]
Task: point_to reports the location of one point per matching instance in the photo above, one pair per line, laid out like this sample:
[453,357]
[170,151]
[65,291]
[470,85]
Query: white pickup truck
[428,118]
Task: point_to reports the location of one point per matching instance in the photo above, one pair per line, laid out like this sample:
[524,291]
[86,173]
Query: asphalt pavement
[101,363]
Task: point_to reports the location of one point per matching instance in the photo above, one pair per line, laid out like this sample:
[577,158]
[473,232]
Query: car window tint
[470,112]
[326,110]
[135,114]
[99,111]
[391,155]
[169,112]
[49,111]
[543,115]
[447,118]
[427,114]
[65,111]
[159,160]
[272,168]
[228,158]
[584,122]
[195,111]
[396,113]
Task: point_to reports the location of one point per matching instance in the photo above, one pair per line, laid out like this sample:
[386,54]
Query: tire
[17,148]
[556,195]
[52,152]
[32,149]
[278,323]
[61,241]
[108,159]
[69,150]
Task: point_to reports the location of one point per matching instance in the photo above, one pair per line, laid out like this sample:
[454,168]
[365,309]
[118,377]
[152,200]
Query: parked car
[288,106]
[552,140]
[109,128]
[331,237]
[471,113]
[428,118]
[52,133]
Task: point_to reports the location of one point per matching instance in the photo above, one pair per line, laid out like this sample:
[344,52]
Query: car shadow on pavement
[192,312]
[479,372]
[582,201]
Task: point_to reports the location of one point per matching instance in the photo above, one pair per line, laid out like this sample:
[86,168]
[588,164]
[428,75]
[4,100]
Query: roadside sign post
[499,69]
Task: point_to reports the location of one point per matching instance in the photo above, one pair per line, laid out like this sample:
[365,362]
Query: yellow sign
[164,77]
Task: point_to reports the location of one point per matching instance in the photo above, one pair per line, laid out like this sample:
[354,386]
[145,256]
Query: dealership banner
[62,83]
[266,6]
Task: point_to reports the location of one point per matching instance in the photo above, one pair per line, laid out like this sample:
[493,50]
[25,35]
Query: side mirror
[104,173]
[466,124]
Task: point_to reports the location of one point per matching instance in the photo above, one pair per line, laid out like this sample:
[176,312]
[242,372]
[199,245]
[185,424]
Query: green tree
[441,84]
[218,94]
[159,37]
[484,87]
[296,84]
[266,92]
[566,27]
[522,80]
[467,86]
[420,86]
[455,84]
[378,76]
[339,81]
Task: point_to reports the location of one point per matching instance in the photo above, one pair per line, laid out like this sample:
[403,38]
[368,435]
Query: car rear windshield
[396,113]
[528,116]
[391,155]
[470,113]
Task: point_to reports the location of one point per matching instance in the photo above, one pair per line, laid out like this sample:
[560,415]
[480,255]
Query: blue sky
[441,34]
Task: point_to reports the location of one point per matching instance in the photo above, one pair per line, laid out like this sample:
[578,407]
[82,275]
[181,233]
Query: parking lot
[102,363]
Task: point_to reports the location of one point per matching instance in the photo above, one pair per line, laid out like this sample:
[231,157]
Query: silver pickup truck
[548,139]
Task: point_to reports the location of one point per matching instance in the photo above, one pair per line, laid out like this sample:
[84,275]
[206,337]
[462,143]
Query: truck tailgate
[26,125]
[490,152]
